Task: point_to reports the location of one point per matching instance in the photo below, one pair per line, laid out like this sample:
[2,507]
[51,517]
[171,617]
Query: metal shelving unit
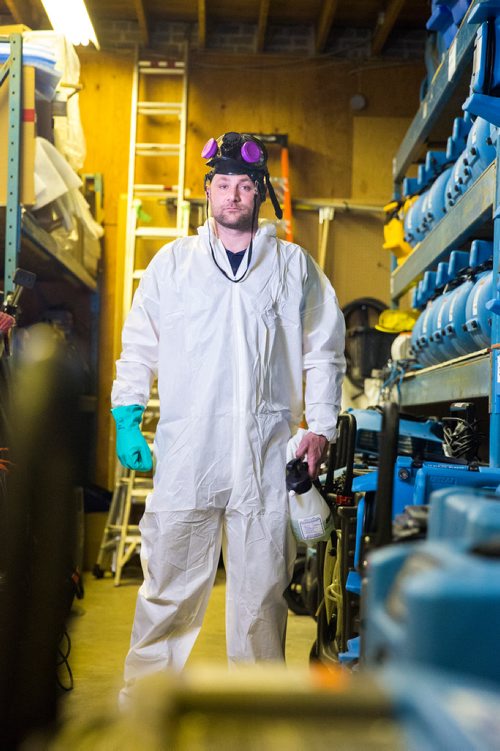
[21,232]
[473,209]
[26,244]
[464,378]
[35,241]
[446,80]
[477,375]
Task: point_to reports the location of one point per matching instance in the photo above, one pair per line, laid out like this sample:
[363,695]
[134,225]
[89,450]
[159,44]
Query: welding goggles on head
[240,154]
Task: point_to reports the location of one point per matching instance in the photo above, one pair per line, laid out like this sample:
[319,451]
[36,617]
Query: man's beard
[241,221]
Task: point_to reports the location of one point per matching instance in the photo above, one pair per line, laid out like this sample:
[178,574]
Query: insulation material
[57,182]
[69,137]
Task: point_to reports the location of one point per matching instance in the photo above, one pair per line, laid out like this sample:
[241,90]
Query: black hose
[388,453]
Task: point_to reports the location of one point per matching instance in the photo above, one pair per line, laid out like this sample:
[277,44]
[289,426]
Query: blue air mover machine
[445,19]
[360,432]
[455,332]
[390,502]
[463,514]
[478,317]
[478,154]
[414,229]
[356,451]
[442,281]
[457,141]
[435,163]
[437,603]
[484,100]
[418,303]
[425,356]
[455,186]
[436,204]
[457,271]
[480,150]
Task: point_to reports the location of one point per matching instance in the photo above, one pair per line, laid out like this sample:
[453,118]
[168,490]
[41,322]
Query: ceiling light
[71,18]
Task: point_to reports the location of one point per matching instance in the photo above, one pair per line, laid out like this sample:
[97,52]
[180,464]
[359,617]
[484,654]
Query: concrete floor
[100,632]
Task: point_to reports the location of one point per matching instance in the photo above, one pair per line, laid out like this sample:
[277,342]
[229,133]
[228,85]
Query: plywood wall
[334,153]
[105,112]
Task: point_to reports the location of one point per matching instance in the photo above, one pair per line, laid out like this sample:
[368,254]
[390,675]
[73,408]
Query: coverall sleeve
[138,363]
[323,343]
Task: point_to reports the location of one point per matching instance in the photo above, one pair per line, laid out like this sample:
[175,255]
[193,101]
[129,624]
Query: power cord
[63,652]
[461,438]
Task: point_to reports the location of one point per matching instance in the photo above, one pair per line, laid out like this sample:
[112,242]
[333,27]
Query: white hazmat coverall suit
[230,359]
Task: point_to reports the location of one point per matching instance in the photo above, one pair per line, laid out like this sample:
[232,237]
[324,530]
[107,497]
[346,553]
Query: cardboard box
[27,184]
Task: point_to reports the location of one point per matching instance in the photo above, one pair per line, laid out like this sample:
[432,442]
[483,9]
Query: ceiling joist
[142,18]
[23,12]
[262,27]
[390,16]
[202,24]
[328,10]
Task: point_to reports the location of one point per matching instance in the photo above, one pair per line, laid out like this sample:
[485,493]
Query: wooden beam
[328,10]
[261,29]
[202,24]
[390,16]
[142,18]
[22,12]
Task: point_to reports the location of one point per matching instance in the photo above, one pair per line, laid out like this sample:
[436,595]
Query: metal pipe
[339,204]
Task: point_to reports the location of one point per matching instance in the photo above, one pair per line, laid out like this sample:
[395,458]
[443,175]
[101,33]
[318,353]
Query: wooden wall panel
[375,141]
[105,111]
[357,264]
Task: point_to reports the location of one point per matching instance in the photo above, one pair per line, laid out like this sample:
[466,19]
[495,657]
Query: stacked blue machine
[458,299]
[457,304]
[484,98]
[415,482]
[437,603]
[446,16]
[447,175]
[430,625]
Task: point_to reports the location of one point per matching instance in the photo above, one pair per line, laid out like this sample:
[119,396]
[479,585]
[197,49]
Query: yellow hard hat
[394,321]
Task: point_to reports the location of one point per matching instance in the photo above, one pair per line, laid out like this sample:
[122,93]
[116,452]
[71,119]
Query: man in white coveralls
[231,321]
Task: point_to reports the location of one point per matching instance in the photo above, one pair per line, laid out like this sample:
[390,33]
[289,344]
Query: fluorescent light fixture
[71,18]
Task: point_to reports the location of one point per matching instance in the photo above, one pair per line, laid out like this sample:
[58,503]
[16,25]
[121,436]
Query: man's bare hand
[316,448]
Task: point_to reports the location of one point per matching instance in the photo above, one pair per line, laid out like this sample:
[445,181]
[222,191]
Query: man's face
[232,201]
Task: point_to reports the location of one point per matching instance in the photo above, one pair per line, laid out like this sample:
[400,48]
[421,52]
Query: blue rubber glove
[131,447]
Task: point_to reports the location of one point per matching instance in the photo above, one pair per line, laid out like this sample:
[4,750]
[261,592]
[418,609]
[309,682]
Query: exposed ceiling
[383,17]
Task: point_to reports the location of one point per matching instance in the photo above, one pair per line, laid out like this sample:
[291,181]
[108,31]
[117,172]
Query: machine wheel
[294,592]
[98,572]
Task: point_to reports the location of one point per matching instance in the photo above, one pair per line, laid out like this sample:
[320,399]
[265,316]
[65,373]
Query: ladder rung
[159,108]
[157,232]
[155,191]
[157,149]
[162,71]
[157,187]
[140,492]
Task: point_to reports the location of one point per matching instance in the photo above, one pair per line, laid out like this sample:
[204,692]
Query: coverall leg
[179,555]
[259,554]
